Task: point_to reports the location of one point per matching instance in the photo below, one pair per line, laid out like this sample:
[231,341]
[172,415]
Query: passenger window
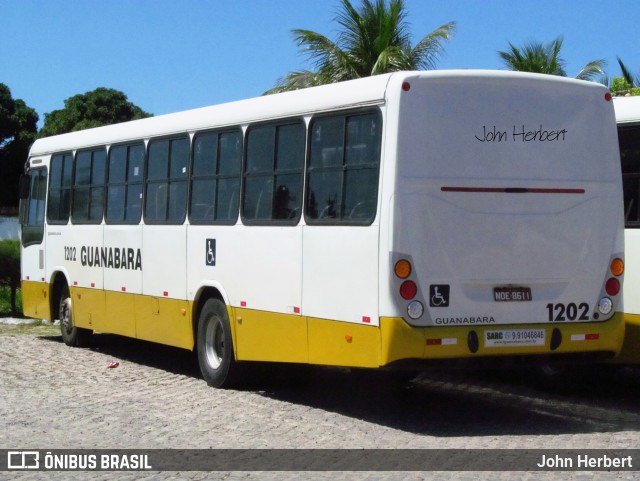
[215,180]
[88,187]
[59,206]
[167,167]
[273,173]
[124,191]
[343,169]
[629,138]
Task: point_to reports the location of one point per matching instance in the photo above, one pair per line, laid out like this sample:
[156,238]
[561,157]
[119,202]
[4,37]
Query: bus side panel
[162,312]
[165,321]
[343,343]
[88,308]
[35,300]
[340,273]
[77,250]
[122,281]
[269,336]
[120,313]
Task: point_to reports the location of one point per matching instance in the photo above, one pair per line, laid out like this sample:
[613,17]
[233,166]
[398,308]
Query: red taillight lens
[612,286]
[408,290]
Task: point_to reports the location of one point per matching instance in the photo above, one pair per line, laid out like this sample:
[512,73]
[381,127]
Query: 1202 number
[568,312]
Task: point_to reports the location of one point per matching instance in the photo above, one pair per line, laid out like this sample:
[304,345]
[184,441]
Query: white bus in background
[381,222]
[627,111]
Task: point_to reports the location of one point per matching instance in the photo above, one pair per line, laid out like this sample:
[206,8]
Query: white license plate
[511,294]
[514,337]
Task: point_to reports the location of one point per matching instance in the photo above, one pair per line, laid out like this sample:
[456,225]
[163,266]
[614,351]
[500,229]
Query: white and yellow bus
[627,110]
[399,218]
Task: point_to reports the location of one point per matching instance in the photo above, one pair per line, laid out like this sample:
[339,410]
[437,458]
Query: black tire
[71,335]
[215,346]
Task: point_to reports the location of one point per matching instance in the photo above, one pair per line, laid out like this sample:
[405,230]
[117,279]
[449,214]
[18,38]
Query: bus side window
[60,184]
[343,169]
[89,187]
[33,227]
[629,138]
[215,179]
[273,173]
[167,175]
[124,191]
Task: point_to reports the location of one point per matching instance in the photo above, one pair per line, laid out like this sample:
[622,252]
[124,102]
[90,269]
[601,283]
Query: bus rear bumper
[630,353]
[400,341]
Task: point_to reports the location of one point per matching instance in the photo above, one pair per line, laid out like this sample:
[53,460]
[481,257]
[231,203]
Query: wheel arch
[58,282]
[205,293]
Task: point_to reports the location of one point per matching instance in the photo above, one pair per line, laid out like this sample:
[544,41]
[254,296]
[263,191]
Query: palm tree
[628,76]
[371,41]
[540,58]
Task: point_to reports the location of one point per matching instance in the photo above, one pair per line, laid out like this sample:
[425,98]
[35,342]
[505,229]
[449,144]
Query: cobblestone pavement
[56,397]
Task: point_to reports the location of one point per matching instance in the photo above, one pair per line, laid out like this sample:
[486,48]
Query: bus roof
[627,109]
[349,94]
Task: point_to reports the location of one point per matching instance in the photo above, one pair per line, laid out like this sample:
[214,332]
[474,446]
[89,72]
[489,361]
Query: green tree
[628,83]
[18,128]
[101,106]
[545,58]
[10,269]
[372,40]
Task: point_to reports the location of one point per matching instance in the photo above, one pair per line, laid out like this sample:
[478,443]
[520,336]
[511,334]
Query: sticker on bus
[514,337]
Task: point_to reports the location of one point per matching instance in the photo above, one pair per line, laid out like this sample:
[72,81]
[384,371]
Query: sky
[172,55]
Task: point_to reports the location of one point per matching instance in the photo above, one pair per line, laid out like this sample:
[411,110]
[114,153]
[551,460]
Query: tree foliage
[543,58]
[18,128]
[10,268]
[628,84]
[372,40]
[101,106]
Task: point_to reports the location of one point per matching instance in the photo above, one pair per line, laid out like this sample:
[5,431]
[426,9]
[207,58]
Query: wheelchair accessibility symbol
[439,295]
[211,252]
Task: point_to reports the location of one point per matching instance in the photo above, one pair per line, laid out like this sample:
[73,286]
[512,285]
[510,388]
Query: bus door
[33,189]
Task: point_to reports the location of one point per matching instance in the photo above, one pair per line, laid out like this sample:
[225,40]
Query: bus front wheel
[214,344]
[71,335]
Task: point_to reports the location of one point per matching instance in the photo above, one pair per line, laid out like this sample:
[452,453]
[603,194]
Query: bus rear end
[506,224]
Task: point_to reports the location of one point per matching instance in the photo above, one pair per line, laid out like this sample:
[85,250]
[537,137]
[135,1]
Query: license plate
[511,294]
[514,337]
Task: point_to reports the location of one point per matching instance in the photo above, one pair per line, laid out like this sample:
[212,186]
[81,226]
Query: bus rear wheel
[215,348]
[71,335]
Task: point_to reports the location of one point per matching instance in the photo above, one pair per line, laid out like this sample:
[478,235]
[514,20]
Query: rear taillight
[612,286]
[402,268]
[408,289]
[617,267]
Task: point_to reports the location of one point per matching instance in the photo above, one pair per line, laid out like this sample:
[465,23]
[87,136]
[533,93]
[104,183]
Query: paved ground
[55,397]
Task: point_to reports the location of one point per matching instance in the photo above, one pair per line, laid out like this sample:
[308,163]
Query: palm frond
[426,52]
[592,69]
[372,39]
